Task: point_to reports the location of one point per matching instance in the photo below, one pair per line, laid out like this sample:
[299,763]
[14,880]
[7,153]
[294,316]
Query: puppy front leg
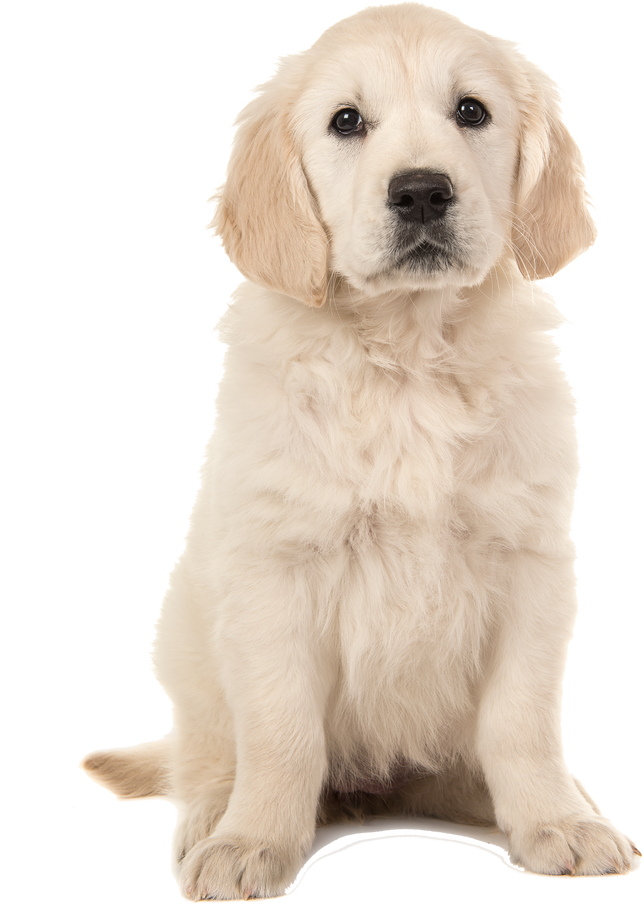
[552,827]
[276,684]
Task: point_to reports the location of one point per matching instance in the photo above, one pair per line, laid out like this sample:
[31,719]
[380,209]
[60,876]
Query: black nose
[421,195]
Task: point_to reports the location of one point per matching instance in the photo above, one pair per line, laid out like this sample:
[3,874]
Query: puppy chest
[412,599]
[393,441]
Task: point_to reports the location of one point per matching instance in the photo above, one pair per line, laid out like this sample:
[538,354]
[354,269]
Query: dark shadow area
[78,244]
[82,584]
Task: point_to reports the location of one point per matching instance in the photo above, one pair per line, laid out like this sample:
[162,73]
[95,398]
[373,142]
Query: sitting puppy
[377,593]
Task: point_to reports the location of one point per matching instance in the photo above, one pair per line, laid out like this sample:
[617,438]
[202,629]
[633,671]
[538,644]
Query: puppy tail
[135,772]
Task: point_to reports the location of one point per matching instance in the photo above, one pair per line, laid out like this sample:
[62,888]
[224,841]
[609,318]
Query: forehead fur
[390,51]
[406,30]
[411,36]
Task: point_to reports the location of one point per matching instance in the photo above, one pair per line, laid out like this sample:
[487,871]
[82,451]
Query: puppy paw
[581,845]
[235,868]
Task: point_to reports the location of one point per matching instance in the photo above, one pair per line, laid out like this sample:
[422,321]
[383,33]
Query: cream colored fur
[377,593]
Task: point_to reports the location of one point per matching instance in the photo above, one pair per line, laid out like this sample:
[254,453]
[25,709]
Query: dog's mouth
[426,256]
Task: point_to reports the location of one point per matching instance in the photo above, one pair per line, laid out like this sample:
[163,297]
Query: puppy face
[410,144]
[403,151]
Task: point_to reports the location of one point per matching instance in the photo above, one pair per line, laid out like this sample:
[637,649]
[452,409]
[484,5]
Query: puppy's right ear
[266,216]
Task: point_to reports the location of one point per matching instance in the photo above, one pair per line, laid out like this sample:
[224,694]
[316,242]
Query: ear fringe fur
[265,214]
[552,222]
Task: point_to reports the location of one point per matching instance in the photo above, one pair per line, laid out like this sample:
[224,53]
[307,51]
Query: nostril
[439,198]
[405,200]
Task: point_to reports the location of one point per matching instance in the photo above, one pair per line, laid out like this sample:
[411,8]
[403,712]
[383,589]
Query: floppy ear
[552,224]
[266,215]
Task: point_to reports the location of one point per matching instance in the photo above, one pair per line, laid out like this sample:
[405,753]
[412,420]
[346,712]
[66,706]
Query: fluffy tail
[132,773]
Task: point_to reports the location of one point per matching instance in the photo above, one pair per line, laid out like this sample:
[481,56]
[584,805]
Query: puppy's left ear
[552,224]
[266,214]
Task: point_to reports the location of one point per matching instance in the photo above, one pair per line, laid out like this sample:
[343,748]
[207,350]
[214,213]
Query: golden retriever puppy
[377,593]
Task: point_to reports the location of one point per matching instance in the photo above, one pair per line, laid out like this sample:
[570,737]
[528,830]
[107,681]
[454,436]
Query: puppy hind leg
[202,767]
[199,818]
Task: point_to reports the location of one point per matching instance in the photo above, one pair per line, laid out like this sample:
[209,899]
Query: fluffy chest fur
[420,416]
[394,464]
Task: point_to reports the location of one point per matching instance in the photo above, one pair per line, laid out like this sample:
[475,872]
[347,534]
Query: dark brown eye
[346,121]
[470,112]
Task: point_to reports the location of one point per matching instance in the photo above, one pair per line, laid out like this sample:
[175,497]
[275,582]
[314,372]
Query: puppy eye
[346,121]
[470,112]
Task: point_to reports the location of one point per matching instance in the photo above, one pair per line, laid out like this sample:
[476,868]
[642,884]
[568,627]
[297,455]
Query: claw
[635,850]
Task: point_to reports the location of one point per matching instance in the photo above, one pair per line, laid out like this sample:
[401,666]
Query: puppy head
[404,150]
